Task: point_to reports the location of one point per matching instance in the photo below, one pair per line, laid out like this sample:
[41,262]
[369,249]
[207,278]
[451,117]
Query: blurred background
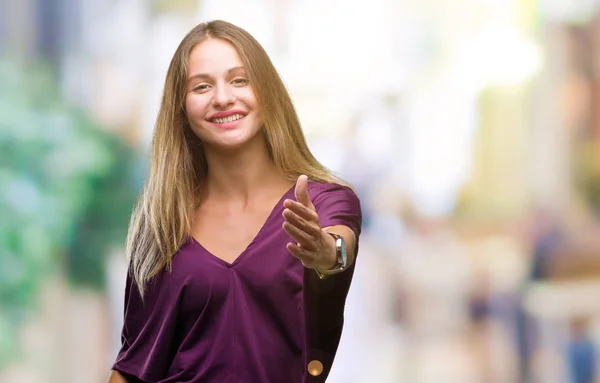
[469,128]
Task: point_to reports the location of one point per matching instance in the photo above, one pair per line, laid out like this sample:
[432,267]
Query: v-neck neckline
[278,206]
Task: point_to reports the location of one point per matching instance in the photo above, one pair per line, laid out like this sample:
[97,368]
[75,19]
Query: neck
[242,174]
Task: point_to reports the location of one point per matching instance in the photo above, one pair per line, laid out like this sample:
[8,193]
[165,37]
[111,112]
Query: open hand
[314,248]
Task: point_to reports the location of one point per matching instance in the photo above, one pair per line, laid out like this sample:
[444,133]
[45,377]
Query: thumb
[302,191]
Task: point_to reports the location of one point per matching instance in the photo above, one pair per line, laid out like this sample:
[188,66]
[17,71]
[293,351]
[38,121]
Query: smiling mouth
[225,120]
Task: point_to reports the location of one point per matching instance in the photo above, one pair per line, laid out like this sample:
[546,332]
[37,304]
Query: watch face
[341,250]
[340,245]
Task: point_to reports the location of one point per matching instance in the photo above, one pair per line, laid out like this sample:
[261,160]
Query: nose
[223,96]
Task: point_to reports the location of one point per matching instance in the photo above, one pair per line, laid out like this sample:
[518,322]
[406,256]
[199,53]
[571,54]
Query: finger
[302,238]
[305,256]
[311,227]
[305,240]
[305,212]
[301,191]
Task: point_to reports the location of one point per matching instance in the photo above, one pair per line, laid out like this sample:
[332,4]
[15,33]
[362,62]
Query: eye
[239,81]
[201,88]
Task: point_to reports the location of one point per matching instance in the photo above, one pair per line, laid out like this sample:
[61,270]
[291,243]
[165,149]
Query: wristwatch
[342,259]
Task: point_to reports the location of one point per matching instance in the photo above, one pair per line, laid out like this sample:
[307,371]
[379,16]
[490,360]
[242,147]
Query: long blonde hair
[162,219]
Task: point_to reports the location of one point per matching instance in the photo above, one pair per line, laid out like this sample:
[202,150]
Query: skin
[219,83]
[243,183]
[314,248]
[115,377]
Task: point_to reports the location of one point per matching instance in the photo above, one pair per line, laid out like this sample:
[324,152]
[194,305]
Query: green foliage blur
[67,192]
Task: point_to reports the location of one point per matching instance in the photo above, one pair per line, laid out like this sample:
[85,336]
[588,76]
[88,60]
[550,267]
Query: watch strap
[342,260]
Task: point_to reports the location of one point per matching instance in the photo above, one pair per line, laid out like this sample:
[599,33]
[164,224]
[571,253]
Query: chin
[230,139]
[233,143]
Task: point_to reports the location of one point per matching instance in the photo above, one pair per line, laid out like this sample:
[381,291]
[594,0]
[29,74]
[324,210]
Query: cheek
[250,98]
[251,102]
[195,107]
[258,118]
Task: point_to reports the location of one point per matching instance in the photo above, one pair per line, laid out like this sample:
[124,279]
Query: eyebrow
[206,75]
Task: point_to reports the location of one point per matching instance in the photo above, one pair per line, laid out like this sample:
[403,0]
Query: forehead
[213,56]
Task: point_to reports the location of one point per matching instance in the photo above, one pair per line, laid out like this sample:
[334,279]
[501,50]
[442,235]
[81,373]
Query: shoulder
[324,190]
[336,205]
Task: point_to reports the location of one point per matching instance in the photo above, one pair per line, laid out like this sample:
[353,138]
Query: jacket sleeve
[324,300]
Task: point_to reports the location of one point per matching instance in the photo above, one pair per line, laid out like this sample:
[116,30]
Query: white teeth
[228,119]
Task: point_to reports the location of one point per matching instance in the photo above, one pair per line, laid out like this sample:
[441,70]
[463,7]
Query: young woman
[242,245]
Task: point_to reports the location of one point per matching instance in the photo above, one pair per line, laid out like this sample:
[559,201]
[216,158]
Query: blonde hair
[162,219]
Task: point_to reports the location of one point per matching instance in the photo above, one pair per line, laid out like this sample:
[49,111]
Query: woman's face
[220,103]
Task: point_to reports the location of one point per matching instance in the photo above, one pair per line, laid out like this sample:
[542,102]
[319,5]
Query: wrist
[338,261]
[331,255]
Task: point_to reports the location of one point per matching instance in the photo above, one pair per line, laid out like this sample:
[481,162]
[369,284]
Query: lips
[227,119]
[225,115]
